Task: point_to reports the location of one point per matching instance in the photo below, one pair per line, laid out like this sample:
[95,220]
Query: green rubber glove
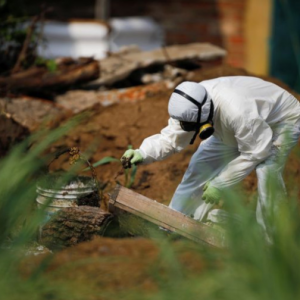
[211,194]
[131,157]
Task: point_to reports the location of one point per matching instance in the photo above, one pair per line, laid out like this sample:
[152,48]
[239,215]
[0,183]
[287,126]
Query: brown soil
[108,132]
[106,266]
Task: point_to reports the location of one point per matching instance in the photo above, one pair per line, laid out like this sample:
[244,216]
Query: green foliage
[50,64]
[19,219]
[103,161]
[252,266]
[129,175]
[14,27]
[19,171]
[12,37]
[249,268]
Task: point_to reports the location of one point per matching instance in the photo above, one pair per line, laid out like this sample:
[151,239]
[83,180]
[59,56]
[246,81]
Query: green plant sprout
[50,64]
[129,175]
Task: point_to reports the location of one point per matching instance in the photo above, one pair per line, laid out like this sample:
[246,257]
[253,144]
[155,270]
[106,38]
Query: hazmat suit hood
[182,109]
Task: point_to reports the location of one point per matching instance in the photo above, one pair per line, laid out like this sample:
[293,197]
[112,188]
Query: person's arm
[254,138]
[172,139]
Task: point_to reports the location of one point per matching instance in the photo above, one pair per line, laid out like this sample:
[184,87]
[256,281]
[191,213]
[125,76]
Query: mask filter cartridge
[206,131]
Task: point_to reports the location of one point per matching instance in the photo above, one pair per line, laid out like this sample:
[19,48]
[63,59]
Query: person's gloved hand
[211,194]
[131,157]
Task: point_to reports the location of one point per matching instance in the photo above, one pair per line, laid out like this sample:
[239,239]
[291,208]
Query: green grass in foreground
[251,267]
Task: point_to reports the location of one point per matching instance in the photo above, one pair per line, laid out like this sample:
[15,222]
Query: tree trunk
[74,225]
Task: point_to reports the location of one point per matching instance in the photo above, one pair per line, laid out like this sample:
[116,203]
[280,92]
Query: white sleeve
[254,138]
[171,139]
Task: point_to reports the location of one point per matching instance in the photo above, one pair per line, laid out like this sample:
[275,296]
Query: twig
[27,40]
[119,173]
[26,43]
[167,56]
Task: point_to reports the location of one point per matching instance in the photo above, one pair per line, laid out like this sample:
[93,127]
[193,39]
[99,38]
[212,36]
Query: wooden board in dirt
[123,199]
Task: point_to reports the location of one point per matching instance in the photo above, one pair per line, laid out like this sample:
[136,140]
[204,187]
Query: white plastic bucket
[75,39]
[53,200]
[90,38]
[141,31]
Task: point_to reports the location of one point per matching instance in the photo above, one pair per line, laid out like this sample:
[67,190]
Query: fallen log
[73,225]
[123,199]
[39,78]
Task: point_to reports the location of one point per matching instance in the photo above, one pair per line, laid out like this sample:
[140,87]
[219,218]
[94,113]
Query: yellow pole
[257,35]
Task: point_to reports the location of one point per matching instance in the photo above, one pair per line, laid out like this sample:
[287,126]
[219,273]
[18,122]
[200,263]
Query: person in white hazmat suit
[244,122]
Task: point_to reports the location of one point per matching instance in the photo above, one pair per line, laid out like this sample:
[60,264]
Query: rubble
[31,112]
[120,65]
[144,74]
[79,100]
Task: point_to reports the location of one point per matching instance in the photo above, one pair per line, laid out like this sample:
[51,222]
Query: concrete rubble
[169,65]
[119,65]
[20,116]
[127,76]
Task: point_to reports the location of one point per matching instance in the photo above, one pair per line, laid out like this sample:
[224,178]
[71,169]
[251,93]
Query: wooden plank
[159,214]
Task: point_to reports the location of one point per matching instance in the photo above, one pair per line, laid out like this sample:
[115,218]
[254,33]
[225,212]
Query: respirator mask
[205,129]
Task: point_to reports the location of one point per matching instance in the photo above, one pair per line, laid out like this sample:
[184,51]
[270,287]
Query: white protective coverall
[252,118]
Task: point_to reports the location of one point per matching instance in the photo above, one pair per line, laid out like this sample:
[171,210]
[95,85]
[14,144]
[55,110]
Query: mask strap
[199,105]
[211,112]
[190,98]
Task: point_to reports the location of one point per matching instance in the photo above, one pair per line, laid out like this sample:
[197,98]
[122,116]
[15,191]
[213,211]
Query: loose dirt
[109,267]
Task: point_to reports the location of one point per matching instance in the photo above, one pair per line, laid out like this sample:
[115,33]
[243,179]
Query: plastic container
[52,200]
[74,39]
[141,31]
[91,38]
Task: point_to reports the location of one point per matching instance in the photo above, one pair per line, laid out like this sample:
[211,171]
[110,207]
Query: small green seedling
[129,174]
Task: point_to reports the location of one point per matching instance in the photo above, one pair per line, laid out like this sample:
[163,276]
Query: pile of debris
[72,86]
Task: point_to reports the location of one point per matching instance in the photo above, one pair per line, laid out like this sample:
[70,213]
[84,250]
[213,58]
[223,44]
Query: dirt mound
[109,130]
[106,265]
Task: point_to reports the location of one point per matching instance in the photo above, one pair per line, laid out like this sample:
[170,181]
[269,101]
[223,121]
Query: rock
[23,115]
[79,100]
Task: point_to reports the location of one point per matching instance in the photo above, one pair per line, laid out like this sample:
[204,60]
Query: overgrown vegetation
[129,174]
[20,35]
[251,267]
